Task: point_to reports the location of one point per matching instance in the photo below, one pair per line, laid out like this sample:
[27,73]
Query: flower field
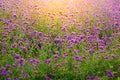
[59,39]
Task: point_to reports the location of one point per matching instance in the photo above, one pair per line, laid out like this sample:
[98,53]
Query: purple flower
[14,65]
[7,66]
[76,58]
[14,45]
[84,56]
[1,19]
[23,48]
[102,47]
[56,56]
[15,16]
[21,60]
[58,40]
[34,61]
[17,56]
[119,68]
[40,34]
[90,77]
[10,21]
[111,75]
[106,57]
[91,51]
[56,52]
[48,61]
[16,79]
[82,36]
[69,37]
[8,79]
[113,56]
[65,54]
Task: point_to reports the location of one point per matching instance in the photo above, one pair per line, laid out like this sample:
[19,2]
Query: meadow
[59,40]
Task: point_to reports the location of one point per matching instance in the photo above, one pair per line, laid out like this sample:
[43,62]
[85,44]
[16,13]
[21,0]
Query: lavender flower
[16,79]
[14,45]
[91,51]
[77,58]
[17,56]
[48,61]
[111,75]
[15,16]
[8,79]
[56,56]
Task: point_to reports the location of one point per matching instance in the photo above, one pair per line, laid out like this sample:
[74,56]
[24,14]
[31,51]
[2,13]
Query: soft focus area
[59,39]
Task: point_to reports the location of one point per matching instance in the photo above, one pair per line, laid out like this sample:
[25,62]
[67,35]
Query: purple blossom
[14,45]
[7,66]
[111,75]
[58,40]
[40,34]
[91,51]
[84,56]
[16,79]
[90,77]
[15,16]
[119,68]
[82,36]
[21,60]
[17,56]
[65,54]
[113,56]
[69,37]
[8,79]
[48,61]
[56,56]
[1,19]
[23,48]
[34,61]
[76,58]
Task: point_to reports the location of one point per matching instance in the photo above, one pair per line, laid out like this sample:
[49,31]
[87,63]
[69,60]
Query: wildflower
[16,79]
[58,40]
[113,56]
[57,65]
[40,34]
[56,52]
[23,48]
[84,56]
[21,62]
[82,36]
[15,16]
[91,51]
[56,56]
[14,45]
[4,34]
[69,37]
[48,61]
[119,68]
[106,57]
[90,77]
[1,19]
[14,65]
[8,79]
[34,61]
[7,66]
[76,58]
[102,47]
[17,56]
[111,75]
[65,54]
